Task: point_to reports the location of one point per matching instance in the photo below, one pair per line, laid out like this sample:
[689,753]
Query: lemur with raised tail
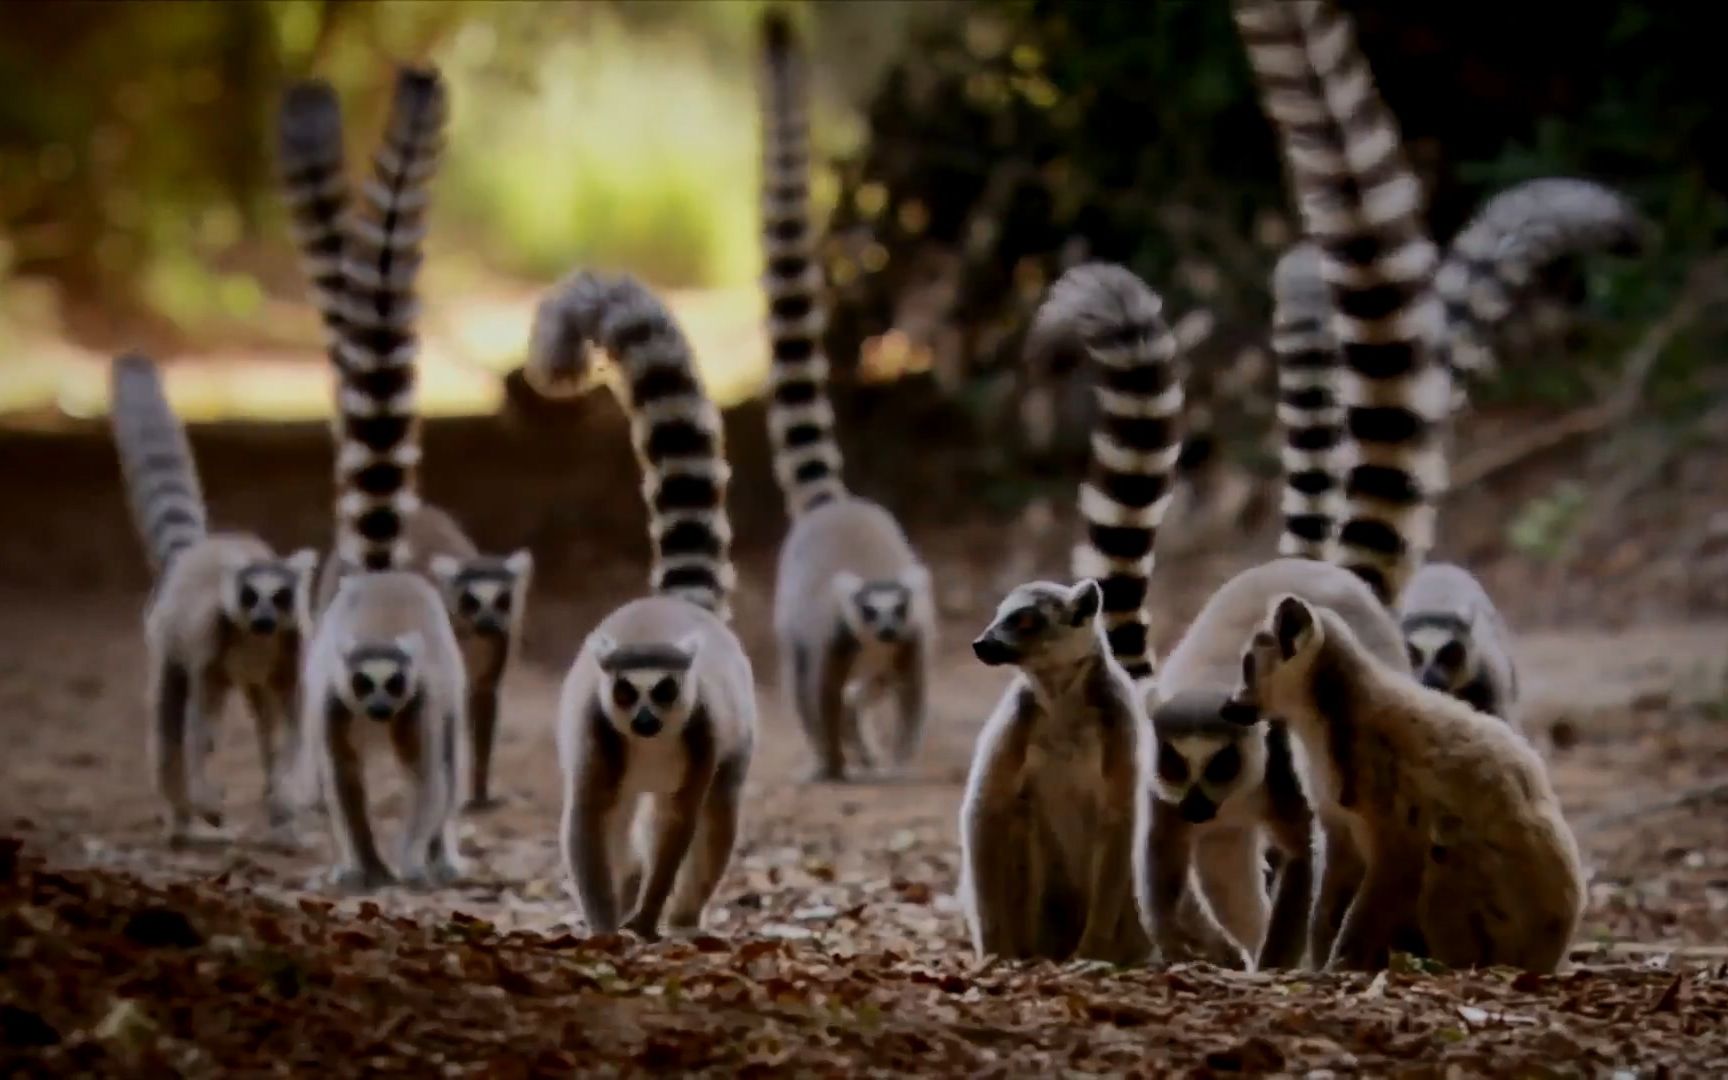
[657,718]
[485,594]
[1467,857]
[384,665]
[1048,820]
[226,613]
[854,617]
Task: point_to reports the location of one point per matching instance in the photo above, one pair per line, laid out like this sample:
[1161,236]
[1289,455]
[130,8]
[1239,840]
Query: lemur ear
[1292,625]
[444,568]
[411,643]
[303,562]
[916,577]
[690,644]
[1084,600]
[520,562]
[604,645]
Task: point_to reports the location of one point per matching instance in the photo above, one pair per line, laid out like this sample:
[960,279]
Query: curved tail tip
[419,87]
[777,34]
[309,116]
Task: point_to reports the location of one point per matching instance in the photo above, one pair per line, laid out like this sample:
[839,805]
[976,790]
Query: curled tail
[1309,415]
[156,460]
[1135,442]
[800,418]
[377,461]
[1513,236]
[309,157]
[674,427]
[1361,205]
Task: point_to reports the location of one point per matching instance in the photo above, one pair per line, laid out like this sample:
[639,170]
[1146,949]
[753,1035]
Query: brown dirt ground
[836,946]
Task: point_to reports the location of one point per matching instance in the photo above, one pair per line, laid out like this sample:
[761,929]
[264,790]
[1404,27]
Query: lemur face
[1041,620]
[484,594]
[880,610]
[380,681]
[270,596]
[647,690]
[1204,754]
[1439,658]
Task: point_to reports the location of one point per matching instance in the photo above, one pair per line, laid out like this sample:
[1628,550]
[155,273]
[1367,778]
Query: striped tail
[800,418]
[1499,252]
[309,156]
[1361,204]
[674,427]
[1135,443]
[377,462]
[156,461]
[1308,411]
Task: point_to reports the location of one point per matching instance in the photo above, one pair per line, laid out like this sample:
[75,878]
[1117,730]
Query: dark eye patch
[1415,655]
[664,692]
[361,684]
[396,684]
[248,596]
[1451,655]
[1172,766]
[1224,766]
[1027,621]
[502,604]
[282,599]
[623,693]
[468,604]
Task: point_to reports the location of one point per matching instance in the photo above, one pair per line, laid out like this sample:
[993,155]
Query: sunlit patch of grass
[619,149]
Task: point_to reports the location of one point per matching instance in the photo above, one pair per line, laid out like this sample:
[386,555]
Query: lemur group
[1327,768]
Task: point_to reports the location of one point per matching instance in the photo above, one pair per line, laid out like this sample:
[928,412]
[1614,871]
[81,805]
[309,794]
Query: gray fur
[1445,603]
[1047,823]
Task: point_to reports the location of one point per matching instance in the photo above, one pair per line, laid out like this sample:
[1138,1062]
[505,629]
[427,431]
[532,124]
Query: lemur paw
[644,928]
[821,773]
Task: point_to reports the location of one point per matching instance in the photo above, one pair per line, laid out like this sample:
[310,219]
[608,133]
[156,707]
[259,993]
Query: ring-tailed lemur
[1458,642]
[853,611]
[1048,820]
[1362,206]
[657,717]
[384,663]
[1219,788]
[1468,858]
[485,594]
[225,613]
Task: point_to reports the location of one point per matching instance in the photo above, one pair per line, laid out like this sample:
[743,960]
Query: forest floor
[835,946]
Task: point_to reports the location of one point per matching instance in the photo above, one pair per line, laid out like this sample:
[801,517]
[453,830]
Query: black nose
[887,634]
[992,652]
[645,723]
[380,710]
[263,624]
[1196,808]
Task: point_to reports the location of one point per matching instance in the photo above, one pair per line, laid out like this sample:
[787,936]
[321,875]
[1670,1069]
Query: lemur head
[380,680]
[270,596]
[1440,654]
[1208,750]
[880,609]
[1279,658]
[484,594]
[647,689]
[1043,623]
